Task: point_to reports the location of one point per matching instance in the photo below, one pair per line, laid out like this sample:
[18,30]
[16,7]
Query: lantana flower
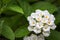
[41,22]
[34,37]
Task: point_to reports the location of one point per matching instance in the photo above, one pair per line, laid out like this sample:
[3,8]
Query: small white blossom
[41,37]
[46,14]
[50,22]
[39,25]
[34,37]
[38,18]
[32,22]
[44,20]
[52,18]
[30,28]
[29,18]
[39,12]
[33,15]
[41,22]
[46,28]
[37,30]
[46,34]
[53,27]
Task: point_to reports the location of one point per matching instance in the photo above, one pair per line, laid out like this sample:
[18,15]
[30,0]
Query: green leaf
[1,25]
[44,6]
[22,31]
[26,7]
[0,5]
[6,1]
[50,0]
[55,35]
[32,0]
[9,13]
[8,32]
[15,21]
[4,4]
[57,17]
[15,8]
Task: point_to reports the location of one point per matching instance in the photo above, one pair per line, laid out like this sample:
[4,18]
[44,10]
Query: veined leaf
[16,8]
[22,31]
[26,7]
[8,32]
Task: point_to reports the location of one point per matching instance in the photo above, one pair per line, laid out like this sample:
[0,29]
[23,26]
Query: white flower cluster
[34,37]
[41,22]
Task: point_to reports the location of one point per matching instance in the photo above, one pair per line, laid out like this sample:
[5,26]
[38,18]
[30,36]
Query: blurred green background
[13,17]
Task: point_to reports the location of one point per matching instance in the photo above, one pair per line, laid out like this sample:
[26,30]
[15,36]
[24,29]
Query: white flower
[34,37]
[32,22]
[46,34]
[52,18]
[37,30]
[41,37]
[38,18]
[39,25]
[44,20]
[53,27]
[30,28]
[26,38]
[31,37]
[50,22]
[29,18]
[41,21]
[46,14]
[46,28]
[39,12]
[33,15]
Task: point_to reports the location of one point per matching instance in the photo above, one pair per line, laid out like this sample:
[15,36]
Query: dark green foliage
[13,17]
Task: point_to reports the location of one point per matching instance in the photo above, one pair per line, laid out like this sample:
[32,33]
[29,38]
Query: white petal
[30,28]
[41,37]
[29,18]
[53,27]
[46,11]
[38,11]
[47,16]
[39,25]
[32,23]
[44,20]
[38,18]
[37,30]
[33,15]
[33,37]
[52,17]
[50,22]
[46,28]
[26,38]
[46,34]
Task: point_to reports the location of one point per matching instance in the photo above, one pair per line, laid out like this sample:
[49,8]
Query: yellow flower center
[47,17]
[33,22]
[38,19]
